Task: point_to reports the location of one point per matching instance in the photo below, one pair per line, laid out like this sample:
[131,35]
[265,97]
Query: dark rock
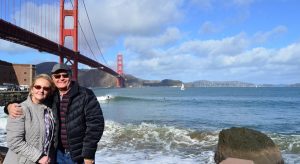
[1,158]
[244,143]
[3,151]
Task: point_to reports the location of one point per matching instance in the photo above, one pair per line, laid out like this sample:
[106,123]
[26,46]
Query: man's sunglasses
[58,76]
[38,87]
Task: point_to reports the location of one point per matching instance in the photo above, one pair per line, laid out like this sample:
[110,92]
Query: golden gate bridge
[48,26]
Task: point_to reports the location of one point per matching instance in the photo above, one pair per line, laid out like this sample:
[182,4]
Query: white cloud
[202,4]
[288,55]
[131,17]
[242,2]
[208,28]
[208,5]
[228,46]
[230,58]
[254,57]
[262,37]
[144,44]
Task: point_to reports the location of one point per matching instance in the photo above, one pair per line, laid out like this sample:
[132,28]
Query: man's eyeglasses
[38,87]
[58,76]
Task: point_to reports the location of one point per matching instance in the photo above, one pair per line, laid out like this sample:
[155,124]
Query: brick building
[20,74]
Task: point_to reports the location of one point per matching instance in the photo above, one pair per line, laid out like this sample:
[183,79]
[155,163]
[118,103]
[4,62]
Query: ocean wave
[138,157]
[105,98]
[145,142]
[154,99]
[218,101]
[287,143]
[127,98]
[155,143]
[152,137]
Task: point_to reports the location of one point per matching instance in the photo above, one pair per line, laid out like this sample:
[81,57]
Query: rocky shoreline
[10,96]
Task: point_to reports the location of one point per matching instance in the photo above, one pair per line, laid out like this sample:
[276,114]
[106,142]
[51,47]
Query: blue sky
[255,41]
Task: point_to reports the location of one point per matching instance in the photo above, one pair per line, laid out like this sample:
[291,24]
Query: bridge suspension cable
[93,32]
[37,16]
[93,35]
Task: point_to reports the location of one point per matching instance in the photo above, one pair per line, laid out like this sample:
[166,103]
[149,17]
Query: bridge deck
[13,33]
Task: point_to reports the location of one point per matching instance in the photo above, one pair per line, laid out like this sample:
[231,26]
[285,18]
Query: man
[79,118]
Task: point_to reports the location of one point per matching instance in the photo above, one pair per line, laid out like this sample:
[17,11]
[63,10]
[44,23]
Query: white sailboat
[182,87]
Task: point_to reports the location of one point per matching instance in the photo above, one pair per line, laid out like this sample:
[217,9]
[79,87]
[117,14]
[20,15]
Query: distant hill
[96,78]
[132,81]
[294,85]
[163,83]
[45,67]
[205,83]
[88,78]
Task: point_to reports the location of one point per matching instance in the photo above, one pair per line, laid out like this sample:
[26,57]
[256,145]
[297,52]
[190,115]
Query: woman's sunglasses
[58,76]
[38,87]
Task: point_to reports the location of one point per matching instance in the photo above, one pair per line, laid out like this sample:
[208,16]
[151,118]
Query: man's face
[61,79]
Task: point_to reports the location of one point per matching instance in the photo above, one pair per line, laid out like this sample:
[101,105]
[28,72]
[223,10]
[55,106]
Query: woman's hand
[88,161]
[44,160]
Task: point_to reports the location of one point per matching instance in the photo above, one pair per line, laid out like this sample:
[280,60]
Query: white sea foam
[3,118]
[147,142]
[291,158]
[3,123]
[105,98]
[140,157]
[151,143]
[1,110]
[155,144]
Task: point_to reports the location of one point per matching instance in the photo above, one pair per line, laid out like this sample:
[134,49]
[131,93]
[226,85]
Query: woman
[29,137]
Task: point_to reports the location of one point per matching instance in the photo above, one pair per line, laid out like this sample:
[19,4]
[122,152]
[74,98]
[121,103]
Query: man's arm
[14,110]
[94,126]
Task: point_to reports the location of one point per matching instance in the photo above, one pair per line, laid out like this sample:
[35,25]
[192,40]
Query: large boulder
[248,144]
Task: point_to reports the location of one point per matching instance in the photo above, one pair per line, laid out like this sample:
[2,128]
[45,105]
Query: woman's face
[40,90]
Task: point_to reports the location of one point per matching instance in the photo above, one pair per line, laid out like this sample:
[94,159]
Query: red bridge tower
[120,81]
[63,33]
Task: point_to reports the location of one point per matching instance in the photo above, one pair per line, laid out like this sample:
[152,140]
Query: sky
[256,41]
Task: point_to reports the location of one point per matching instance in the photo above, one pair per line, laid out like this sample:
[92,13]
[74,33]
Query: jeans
[64,158]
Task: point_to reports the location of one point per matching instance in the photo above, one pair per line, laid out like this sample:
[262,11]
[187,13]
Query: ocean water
[170,126]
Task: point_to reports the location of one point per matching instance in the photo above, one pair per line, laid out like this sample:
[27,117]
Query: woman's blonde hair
[46,77]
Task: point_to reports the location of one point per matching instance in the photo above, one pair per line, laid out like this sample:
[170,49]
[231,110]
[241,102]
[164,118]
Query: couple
[54,126]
